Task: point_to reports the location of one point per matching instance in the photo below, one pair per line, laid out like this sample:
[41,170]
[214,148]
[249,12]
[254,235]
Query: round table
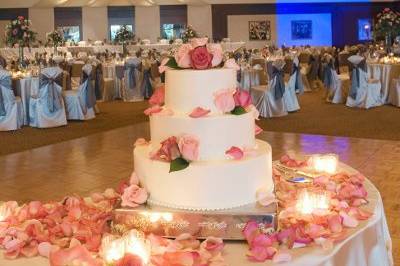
[385,73]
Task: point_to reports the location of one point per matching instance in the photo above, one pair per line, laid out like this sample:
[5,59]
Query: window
[172,31]
[71,33]
[115,28]
[365,29]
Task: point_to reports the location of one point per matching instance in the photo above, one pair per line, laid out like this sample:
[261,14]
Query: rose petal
[199,112]
[235,153]
[153,110]
[281,257]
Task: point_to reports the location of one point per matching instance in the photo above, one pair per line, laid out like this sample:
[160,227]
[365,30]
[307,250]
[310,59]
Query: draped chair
[11,108]
[47,108]
[80,103]
[295,84]
[337,87]
[76,72]
[364,92]
[270,102]
[132,89]
[313,70]
[394,93]
[343,62]
[98,81]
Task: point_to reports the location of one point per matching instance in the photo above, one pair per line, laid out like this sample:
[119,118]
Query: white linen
[386,73]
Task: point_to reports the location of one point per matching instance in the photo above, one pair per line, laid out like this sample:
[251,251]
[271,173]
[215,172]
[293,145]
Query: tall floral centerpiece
[55,38]
[122,36]
[188,34]
[19,34]
[387,26]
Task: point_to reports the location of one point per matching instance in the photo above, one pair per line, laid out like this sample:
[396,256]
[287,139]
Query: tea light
[156,216]
[326,163]
[308,202]
[137,245]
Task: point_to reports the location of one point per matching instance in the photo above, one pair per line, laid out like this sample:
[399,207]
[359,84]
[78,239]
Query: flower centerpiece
[55,38]
[122,36]
[387,25]
[19,34]
[188,34]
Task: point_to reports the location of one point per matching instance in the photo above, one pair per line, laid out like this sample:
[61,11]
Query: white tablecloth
[385,73]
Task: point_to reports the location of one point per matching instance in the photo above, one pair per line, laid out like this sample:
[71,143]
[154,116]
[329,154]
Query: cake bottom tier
[206,185]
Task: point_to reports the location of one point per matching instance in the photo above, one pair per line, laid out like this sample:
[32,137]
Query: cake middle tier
[216,134]
[188,89]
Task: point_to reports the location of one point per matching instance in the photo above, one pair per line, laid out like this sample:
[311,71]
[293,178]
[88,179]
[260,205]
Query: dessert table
[367,244]
[385,73]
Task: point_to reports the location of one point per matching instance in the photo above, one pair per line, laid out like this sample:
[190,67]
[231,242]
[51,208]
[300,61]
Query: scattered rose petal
[235,153]
[199,112]
[153,110]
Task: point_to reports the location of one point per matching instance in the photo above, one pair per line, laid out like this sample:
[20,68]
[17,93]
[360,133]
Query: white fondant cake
[212,181]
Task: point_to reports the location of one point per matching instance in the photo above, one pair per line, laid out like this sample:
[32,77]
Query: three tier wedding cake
[203,154]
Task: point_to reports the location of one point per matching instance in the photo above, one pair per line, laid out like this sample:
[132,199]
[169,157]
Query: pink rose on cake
[224,100]
[183,56]
[168,151]
[201,58]
[158,96]
[242,98]
[235,153]
[133,196]
[196,42]
[217,53]
[189,147]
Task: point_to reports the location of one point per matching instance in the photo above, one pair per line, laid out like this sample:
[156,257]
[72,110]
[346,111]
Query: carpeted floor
[315,117]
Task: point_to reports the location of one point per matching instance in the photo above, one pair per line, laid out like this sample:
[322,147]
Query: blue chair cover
[299,87]
[147,89]
[5,82]
[279,88]
[327,73]
[90,96]
[132,69]
[355,77]
[54,100]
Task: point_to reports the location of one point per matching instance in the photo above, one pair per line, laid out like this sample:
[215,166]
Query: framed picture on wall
[301,29]
[365,29]
[260,30]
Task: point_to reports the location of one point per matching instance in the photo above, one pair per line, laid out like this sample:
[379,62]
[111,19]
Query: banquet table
[25,88]
[368,244]
[385,73]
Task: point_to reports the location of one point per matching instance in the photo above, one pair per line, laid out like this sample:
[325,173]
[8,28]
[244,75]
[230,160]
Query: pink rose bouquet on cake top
[198,54]
[179,152]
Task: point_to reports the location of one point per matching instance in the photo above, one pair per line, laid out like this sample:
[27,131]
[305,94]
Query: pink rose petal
[153,110]
[44,249]
[281,257]
[348,221]
[140,142]
[235,153]
[199,112]
[257,130]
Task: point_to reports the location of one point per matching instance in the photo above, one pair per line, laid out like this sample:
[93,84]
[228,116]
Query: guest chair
[364,92]
[295,84]
[47,108]
[132,90]
[11,108]
[394,93]
[337,86]
[80,103]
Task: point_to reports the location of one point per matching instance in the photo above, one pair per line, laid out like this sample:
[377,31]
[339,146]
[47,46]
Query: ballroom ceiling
[94,3]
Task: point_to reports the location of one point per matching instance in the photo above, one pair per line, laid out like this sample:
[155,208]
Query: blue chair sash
[54,101]
[98,81]
[90,96]
[327,73]
[298,85]
[314,67]
[279,88]
[119,72]
[147,89]
[132,69]
[355,77]
[5,83]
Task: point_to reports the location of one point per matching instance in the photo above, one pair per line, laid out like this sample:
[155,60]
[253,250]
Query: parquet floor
[101,160]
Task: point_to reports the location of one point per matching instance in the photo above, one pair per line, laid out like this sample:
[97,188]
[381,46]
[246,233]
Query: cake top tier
[186,90]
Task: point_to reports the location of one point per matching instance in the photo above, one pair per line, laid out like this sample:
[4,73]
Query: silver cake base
[227,224]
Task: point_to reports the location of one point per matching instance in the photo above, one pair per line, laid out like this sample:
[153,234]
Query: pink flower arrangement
[224,100]
[242,98]
[200,58]
[133,196]
[217,54]
[189,147]
[168,151]
[183,57]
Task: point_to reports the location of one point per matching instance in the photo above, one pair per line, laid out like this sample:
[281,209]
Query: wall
[147,22]
[42,21]
[95,23]
[200,18]
[344,16]
[238,29]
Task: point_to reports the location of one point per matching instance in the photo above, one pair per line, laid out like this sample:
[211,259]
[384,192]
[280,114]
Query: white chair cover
[332,82]
[363,94]
[270,102]
[80,103]
[132,89]
[294,84]
[11,112]
[394,93]
[47,110]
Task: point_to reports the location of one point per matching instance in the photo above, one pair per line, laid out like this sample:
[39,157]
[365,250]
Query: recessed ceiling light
[62,1]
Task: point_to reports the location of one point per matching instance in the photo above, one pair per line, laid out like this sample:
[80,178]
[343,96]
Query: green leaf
[172,63]
[239,110]
[178,164]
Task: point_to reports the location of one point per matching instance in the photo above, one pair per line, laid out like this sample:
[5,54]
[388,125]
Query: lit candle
[326,163]
[112,249]
[309,202]
[137,245]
